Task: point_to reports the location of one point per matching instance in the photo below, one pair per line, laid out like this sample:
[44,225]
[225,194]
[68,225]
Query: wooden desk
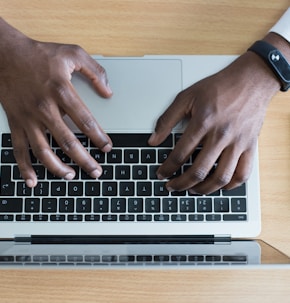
[166,27]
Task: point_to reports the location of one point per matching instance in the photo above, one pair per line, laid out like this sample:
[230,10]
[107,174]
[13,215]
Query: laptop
[127,216]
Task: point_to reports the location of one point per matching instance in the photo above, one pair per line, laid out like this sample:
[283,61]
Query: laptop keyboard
[128,190]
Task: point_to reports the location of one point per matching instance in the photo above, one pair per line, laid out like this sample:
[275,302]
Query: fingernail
[160,177]
[69,176]
[170,189]
[95,174]
[109,89]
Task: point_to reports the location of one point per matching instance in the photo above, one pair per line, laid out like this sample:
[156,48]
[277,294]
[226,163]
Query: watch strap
[275,60]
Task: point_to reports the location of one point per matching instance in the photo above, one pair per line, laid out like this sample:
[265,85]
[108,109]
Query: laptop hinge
[123,239]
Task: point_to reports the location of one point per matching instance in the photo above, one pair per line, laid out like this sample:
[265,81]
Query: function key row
[122,205]
[123,218]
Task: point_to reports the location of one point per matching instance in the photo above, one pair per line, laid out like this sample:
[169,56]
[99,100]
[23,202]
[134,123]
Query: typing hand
[36,92]
[225,113]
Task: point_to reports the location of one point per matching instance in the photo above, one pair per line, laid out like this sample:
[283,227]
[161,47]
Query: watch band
[275,60]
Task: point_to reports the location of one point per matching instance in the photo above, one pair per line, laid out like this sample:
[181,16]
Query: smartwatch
[275,60]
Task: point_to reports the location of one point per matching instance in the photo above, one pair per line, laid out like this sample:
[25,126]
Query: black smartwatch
[275,60]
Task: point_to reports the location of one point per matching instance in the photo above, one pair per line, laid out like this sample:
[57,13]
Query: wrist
[273,50]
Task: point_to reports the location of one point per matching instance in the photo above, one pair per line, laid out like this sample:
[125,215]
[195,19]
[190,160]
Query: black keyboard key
[57,218]
[108,218]
[144,218]
[148,156]
[238,191]
[140,172]
[107,172]
[92,188]
[186,205]
[127,189]
[92,218]
[169,205]
[135,205]
[152,205]
[23,217]
[128,218]
[49,205]
[7,156]
[238,205]
[160,189]
[7,186]
[153,172]
[144,258]
[161,218]
[66,205]
[221,205]
[84,205]
[23,190]
[144,189]
[236,217]
[130,140]
[40,218]
[131,156]
[6,140]
[204,205]
[75,189]
[195,217]
[109,188]
[98,155]
[101,205]
[58,188]
[6,218]
[114,156]
[213,217]
[178,218]
[41,189]
[16,173]
[75,218]
[40,171]
[32,205]
[178,258]
[163,154]
[118,205]
[122,172]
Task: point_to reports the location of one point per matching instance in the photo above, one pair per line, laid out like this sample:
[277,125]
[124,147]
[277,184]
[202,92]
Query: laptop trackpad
[143,89]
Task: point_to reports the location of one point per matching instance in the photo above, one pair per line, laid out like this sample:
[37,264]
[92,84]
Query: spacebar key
[11,205]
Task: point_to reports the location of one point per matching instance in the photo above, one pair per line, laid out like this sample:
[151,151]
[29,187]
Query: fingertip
[31,182]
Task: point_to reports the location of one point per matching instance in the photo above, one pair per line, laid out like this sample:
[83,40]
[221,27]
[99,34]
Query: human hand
[36,92]
[225,114]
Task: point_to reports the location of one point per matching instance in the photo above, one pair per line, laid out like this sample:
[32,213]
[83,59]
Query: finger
[82,117]
[243,169]
[94,72]
[199,170]
[182,150]
[42,151]
[222,174]
[168,120]
[71,146]
[22,156]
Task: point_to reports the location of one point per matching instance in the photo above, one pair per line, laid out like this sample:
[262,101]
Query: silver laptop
[128,204]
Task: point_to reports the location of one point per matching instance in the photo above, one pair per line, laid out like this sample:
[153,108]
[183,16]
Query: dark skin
[41,72]
[225,111]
